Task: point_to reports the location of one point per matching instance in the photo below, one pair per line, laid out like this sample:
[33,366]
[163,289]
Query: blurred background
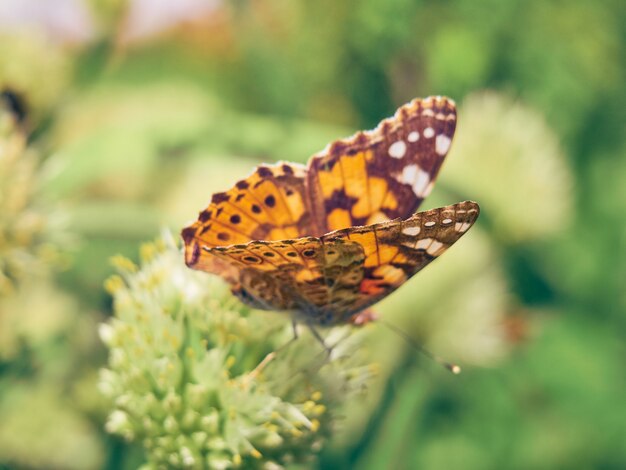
[120,118]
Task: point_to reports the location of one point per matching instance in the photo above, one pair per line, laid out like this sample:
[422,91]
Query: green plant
[199,379]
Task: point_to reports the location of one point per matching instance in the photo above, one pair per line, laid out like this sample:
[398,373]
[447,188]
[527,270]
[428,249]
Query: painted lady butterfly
[327,240]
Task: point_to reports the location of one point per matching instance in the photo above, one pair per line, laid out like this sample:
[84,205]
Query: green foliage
[26,245]
[42,429]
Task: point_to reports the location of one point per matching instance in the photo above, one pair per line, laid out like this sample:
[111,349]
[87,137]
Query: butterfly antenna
[454,368]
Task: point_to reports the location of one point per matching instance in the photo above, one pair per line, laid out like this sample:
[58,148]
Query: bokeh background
[121,118]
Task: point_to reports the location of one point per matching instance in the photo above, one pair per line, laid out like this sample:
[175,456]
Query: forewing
[271,204]
[396,250]
[382,174]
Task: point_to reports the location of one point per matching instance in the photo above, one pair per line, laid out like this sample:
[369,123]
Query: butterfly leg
[272,355]
[318,337]
[252,375]
[294,326]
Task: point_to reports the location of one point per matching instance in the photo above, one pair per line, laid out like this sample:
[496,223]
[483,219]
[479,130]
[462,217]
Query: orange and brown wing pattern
[271,204]
[383,174]
[394,251]
[299,274]
[268,236]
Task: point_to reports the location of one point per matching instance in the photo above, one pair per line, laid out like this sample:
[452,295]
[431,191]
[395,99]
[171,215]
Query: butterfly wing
[394,251]
[249,234]
[329,279]
[271,204]
[382,174]
[299,274]
[372,177]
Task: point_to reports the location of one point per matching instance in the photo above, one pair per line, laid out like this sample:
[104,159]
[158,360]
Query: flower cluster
[202,381]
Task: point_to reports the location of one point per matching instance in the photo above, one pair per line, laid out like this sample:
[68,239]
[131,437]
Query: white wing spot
[428,189]
[409,174]
[413,136]
[434,248]
[429,132]
[417,178]
[397,149]
[423,244]
[442,144]
[430,223]
[446,221]
[420,186]
[411,231]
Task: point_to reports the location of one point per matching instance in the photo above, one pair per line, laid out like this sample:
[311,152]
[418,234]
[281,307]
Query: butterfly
[327,240]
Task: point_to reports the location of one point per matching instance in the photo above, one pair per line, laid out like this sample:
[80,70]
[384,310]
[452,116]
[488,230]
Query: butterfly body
[328,240]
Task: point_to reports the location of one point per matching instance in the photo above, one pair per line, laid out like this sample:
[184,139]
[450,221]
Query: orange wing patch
[382,174]
[271,204]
